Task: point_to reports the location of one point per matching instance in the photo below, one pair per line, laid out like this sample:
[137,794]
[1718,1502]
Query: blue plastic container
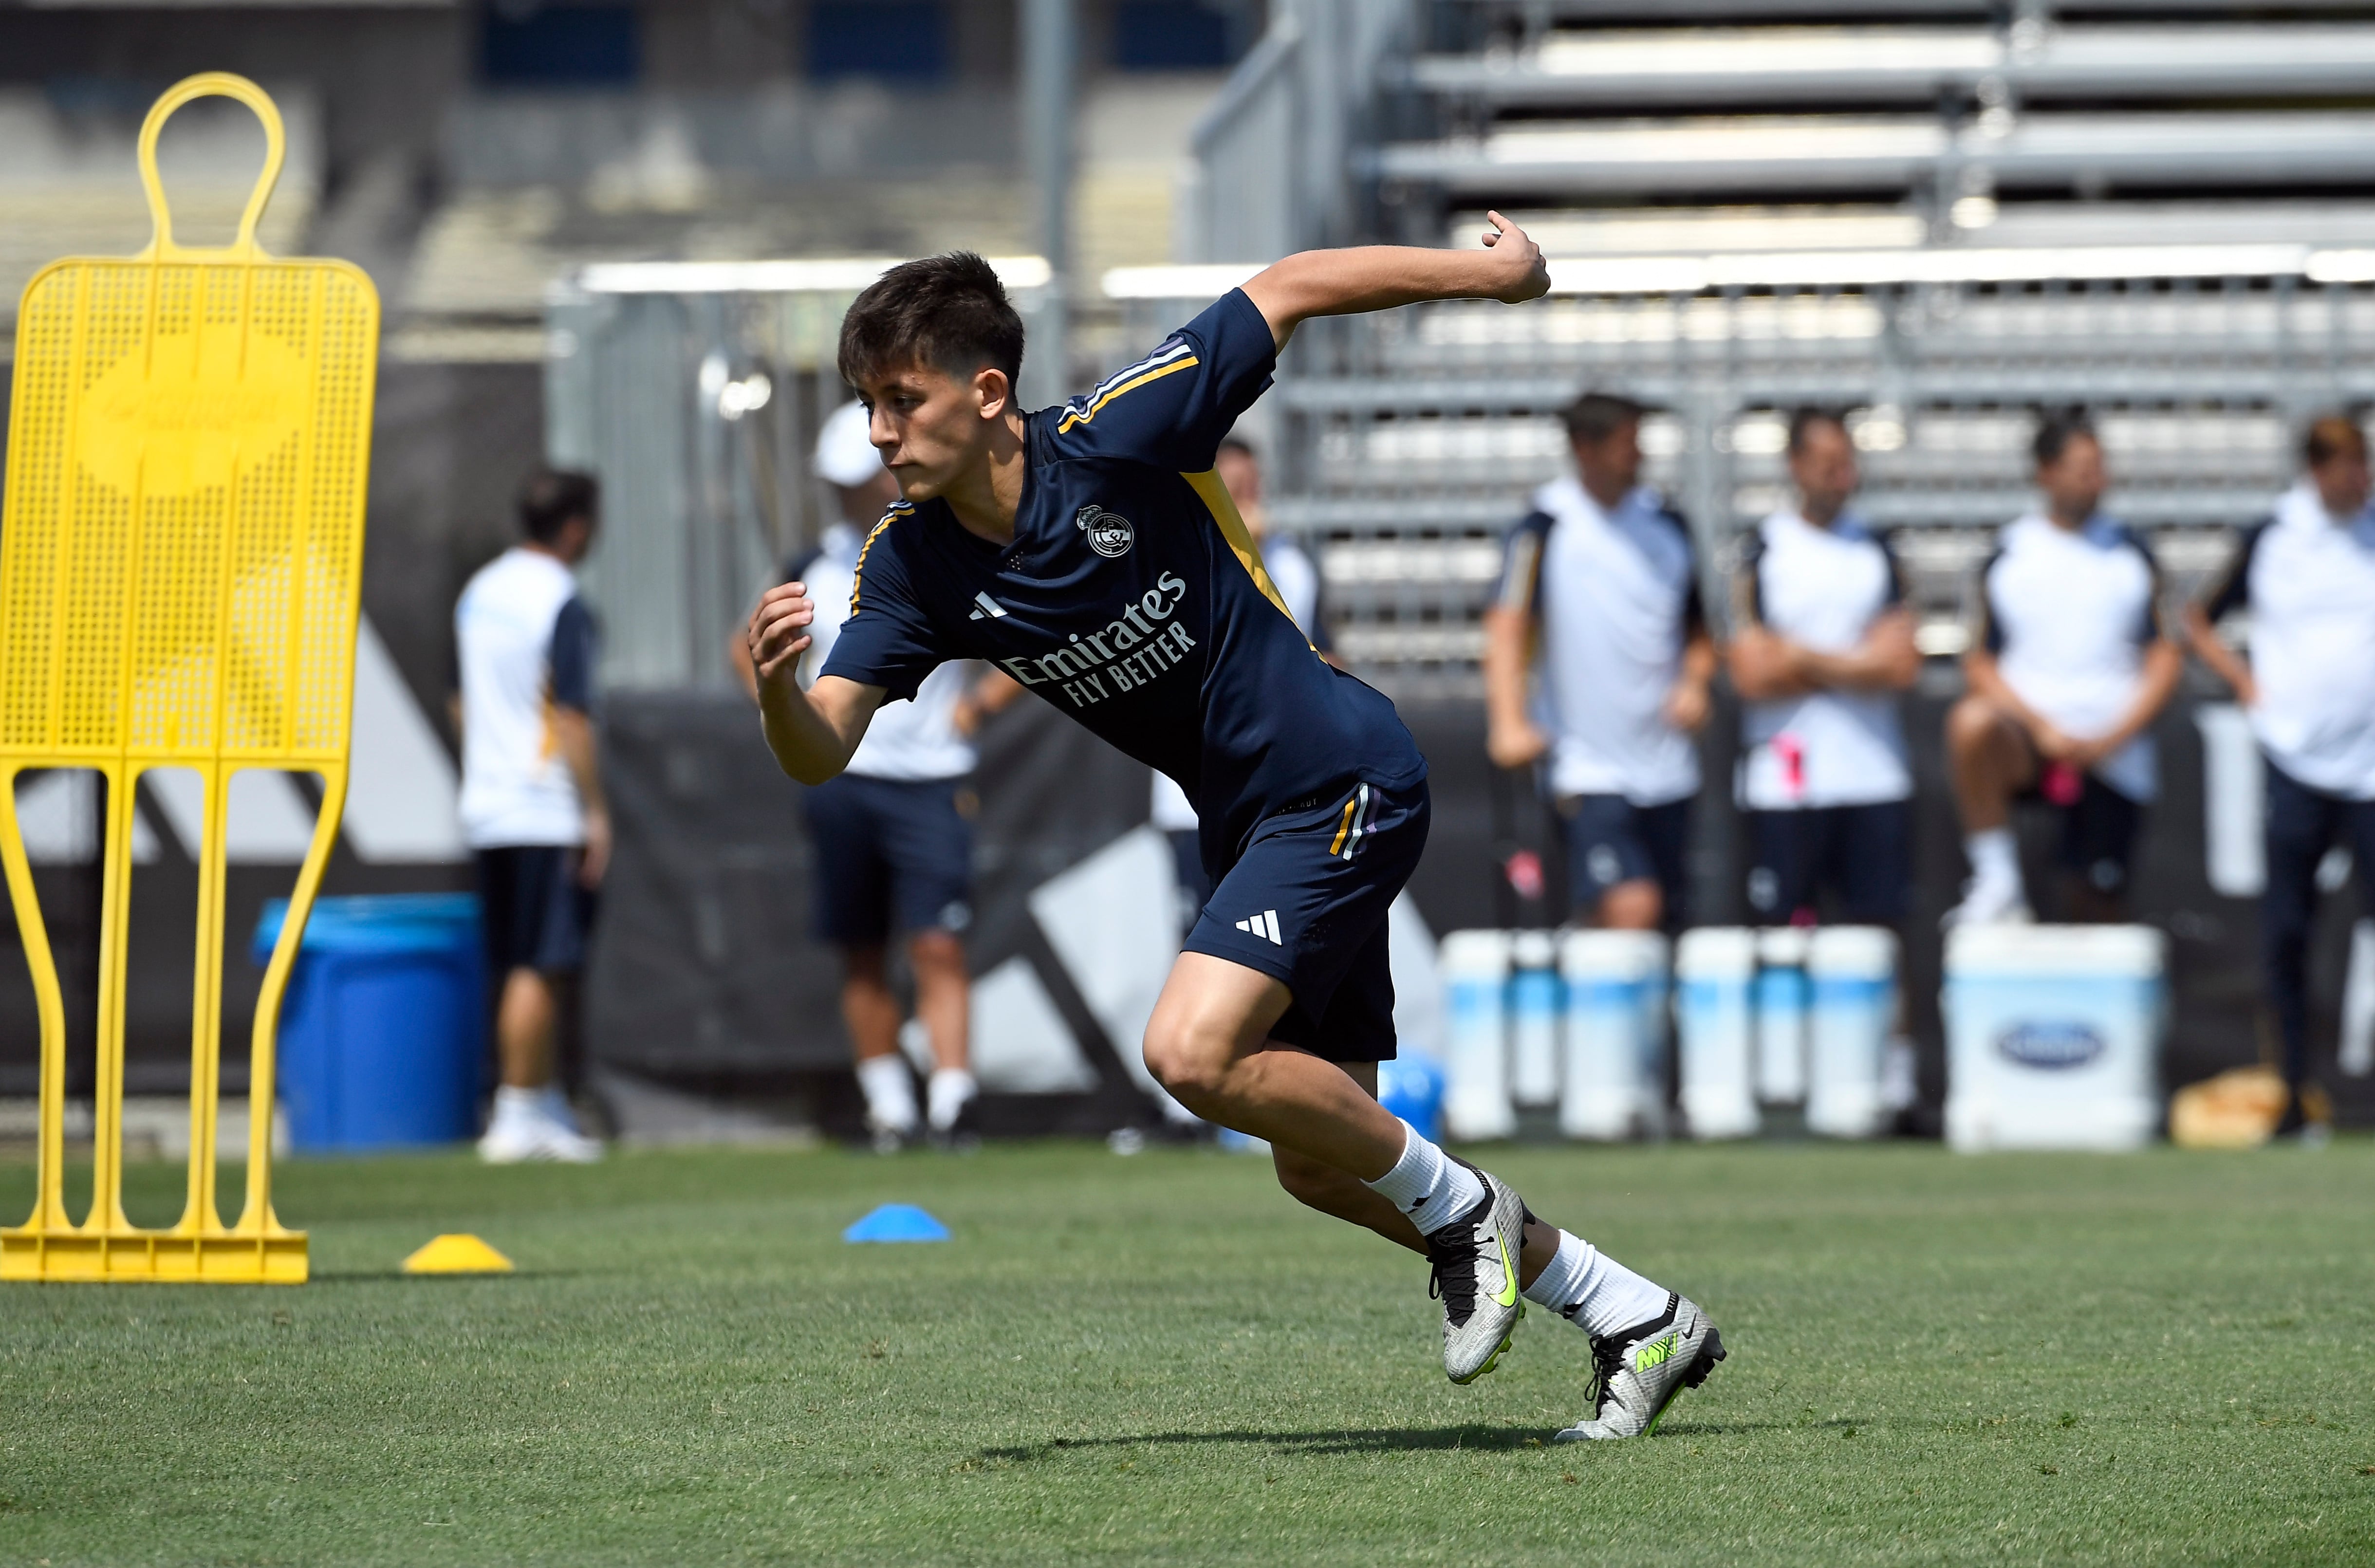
[383,1028]
[1412,1088]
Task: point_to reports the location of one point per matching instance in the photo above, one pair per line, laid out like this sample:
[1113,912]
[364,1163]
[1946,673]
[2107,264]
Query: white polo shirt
[2307,579]
[2068,613]
[1821,588]
[909,740]
[525,643]
[1615,597]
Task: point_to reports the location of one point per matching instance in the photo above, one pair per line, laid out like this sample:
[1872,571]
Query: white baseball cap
[844,455]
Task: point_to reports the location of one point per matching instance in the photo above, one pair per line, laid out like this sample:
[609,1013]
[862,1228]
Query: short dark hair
[1803,420]
[1596,416]
[947,310]
[1240,445]
[2056,428]
[550,497]
[2326,437]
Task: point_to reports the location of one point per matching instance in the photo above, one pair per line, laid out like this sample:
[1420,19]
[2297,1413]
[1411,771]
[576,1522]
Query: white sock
[889,1092]
[553,1106]
[1995,857]
[516,1105]
[947,1094]
[1427,1184]
[1593,1290]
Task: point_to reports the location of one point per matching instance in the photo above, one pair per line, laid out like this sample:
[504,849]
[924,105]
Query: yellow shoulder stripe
[1215,496]
[857,573]
[1082,416]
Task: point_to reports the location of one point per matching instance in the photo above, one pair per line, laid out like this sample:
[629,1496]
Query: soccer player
[1821,645]
[1600,591]
[2305,576]
[892,835]
[2070,662]
[532,805]
[1090,552]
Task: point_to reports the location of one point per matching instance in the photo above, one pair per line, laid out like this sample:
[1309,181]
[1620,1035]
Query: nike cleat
[1641,1368]
[1475,1273]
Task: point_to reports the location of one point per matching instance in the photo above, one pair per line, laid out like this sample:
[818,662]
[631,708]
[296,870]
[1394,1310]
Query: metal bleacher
[1941,218]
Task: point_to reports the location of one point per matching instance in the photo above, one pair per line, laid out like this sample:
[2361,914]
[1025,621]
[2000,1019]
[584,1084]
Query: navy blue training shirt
[1132,597]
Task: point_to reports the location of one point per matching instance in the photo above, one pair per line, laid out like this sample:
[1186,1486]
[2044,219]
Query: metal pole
[1048,58]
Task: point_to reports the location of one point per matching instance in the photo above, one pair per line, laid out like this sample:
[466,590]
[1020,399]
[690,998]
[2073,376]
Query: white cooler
[2053,1036]
[1781,1015]
[1614,1086]
[1533,1019]
[1475,970]
[1714,975]
[1851,975]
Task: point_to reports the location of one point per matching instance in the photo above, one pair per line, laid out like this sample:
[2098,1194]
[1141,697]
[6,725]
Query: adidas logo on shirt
[1262,924]
[987,608]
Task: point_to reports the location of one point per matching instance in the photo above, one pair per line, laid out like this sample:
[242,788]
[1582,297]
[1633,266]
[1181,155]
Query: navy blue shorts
[1305,904]
[1864,854]
[889,852]
[533,911]
[1610,841]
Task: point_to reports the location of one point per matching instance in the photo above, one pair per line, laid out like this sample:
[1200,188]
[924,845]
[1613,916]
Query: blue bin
[384,1027]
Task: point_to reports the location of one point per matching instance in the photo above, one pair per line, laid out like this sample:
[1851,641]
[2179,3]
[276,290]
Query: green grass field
[2151,1360]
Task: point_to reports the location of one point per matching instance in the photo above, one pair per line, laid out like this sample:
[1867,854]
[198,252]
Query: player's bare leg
[1343,1195]
[1340,1151]
[1990,760]
[944,1005]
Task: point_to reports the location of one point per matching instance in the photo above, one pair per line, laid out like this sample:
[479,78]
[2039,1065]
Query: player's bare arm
[1687,704]
[1511,738]
[2225,662]
[814,733]
[1378,277]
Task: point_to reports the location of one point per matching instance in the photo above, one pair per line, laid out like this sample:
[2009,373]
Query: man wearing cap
[893,834]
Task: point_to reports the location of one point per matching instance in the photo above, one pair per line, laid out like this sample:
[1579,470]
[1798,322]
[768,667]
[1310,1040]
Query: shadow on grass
[1342,1440]
[1388,1440]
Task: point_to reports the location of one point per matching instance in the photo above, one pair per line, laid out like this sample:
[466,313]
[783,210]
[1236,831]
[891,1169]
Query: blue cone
[897,1222]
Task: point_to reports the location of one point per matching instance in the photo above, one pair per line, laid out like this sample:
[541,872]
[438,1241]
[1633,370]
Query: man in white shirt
[2068,666]
[893,833]
[532,805]
[1821,645]
[1600,603]
[1297,580]
[2305,578]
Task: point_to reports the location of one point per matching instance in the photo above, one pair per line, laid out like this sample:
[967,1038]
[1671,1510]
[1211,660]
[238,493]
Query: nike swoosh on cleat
[1507,1294]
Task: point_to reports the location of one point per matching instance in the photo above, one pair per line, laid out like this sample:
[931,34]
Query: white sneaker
[513,1139]
[1989,903]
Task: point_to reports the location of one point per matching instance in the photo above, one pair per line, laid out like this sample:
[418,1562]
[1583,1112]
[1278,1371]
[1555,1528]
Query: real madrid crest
[1109,532]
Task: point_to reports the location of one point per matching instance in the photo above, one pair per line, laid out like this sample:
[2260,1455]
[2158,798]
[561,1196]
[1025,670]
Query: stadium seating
[1939,215]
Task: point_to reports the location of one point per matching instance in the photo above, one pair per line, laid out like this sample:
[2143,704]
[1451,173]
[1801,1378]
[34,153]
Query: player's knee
[937,949]
[1637,905]
[1970,726]
[1183,1060]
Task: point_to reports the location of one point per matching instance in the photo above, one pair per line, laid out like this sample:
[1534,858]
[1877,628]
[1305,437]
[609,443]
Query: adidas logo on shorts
[1262,924]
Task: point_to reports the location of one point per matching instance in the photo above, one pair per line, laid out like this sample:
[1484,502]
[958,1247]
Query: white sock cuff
[1427,1184]
[889,1092]
[947,1094]
[1993,852]
[1560,1284]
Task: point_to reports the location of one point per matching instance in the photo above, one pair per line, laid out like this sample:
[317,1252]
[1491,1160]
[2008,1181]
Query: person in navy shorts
[1090,551]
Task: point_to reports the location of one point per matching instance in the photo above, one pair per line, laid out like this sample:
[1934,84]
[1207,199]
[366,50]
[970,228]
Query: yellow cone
[457,1255]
